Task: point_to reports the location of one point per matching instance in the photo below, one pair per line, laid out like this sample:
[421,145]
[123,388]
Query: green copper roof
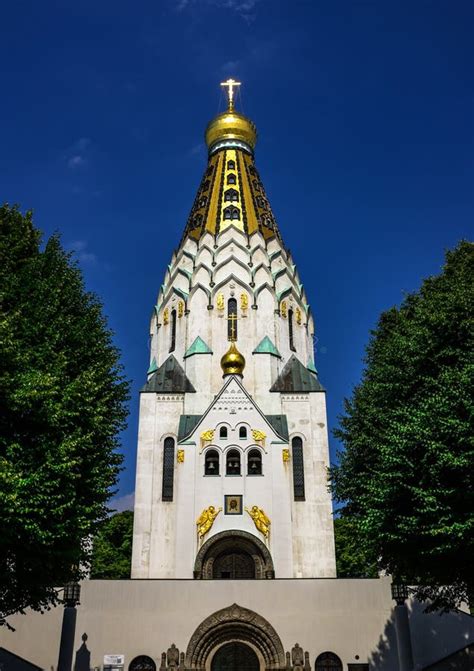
[198,347]
[311,366]
[267,347]
[170,378]
[296,378]
[187,424]
[153,367]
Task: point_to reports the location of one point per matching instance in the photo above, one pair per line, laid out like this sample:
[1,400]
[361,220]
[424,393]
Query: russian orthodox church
[233,565]
[233,428]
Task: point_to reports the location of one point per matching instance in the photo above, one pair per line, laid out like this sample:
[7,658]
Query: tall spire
[231,192]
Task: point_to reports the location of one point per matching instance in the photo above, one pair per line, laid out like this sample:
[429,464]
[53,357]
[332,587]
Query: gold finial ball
[231,126]
[233,362]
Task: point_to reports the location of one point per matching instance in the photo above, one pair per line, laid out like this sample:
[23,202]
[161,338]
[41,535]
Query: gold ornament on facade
[166,316]
[283,309]
[206,519]
[298,316]
[180,309]
[258,435]
[180,456]
[285,453]
[233,362]
[220,302]
[244,302]
[207,436]
[260,519]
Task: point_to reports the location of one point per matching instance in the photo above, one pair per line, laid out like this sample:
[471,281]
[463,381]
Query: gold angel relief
[298,316]
[283,309]
[244,301]
[180,309]
[220,303]
[260,519]
[258,435]
[206,519]
[166,316]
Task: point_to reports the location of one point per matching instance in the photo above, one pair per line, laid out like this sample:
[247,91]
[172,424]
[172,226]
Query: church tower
[232,446]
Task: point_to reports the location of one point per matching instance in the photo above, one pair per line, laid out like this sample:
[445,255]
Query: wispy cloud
[76,161]
[245,8]
[83,254]
[121,503]
[76,156]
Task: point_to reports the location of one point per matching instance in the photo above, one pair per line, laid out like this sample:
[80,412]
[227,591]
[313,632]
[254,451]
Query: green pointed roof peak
[198,347]
[153,367]
[267,347]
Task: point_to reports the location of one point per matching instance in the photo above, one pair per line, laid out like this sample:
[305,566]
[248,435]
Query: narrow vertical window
[173,331]
[232,319]
[298,468]
[290,330]
[168,469]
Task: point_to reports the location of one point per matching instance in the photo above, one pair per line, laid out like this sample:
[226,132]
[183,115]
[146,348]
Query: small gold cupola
[233,362]
[231,129]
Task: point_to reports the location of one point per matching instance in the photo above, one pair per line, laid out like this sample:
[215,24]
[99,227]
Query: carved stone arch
[203,265]
[238,244]
[185,273]
[280,272]
[230,278]
[287,292]
[232,259]
[183,295]
[231,227]
[259,290]
[235,623]
[265,268]
[218,543]
[198,286]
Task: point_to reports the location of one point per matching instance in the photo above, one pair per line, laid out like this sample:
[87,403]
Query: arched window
[211,463]
[223,432]
[243,432]
[168,469]
[298,468]
[231,213]
[290,330]
[232,319]
[173,331]
[231,178]
[142,663]
[231,196]
[231,165]
[328,661]
[254,463]
[233,462]
[202,201]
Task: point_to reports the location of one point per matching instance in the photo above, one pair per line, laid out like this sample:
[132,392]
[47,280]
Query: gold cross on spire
[230,84]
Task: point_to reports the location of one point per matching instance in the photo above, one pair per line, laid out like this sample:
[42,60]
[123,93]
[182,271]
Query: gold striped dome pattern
[231,192]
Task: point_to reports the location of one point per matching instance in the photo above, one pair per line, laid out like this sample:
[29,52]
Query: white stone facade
[261,276]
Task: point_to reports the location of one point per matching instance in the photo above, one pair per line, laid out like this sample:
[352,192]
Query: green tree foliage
[112,548]
[63,401]
[352,559]
[406,476]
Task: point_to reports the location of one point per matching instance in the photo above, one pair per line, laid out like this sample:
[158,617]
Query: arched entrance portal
[235,656]
[233,554]
[240,627]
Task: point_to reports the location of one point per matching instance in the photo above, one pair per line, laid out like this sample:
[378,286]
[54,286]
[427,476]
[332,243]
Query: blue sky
[366,146]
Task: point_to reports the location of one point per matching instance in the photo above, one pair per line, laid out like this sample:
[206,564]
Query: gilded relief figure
[244,301]
[180,309]
[261,521]
[166,316]
[206,519]
[283,309]
[220,302]
[298,316]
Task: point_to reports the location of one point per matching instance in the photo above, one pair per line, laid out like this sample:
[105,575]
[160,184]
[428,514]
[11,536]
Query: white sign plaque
[111,660]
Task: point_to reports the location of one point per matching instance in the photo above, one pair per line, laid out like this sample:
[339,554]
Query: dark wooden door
[233,565]
[235,657]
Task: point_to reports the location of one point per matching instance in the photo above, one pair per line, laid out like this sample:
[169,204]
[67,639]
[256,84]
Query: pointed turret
[231,191]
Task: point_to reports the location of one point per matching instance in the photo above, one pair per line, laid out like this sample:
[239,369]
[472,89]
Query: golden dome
[231,126]
[233,362]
